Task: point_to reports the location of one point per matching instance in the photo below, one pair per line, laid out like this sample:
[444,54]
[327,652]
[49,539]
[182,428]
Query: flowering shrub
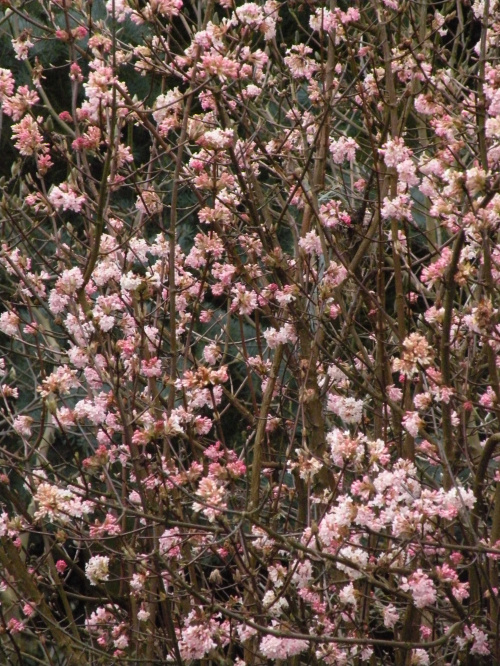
[250,332]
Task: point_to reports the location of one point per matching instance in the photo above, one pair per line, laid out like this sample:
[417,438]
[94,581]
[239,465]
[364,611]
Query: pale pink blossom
[391,616]
[59,504]
[436,271]
[331,215]
[343,149]
[416,353]
[286,334]
[108,526]
[308,466]
[170,543]
[118,9]
[22,45]
[70,281]
[9,323]
[167,8]
[216,139]
[143,615]
[273,647]
[421,588]
[60,381]
[349,410]
[479,640]
[399,208]
[218,65]
[394,152]
[29,140]
[212,497]
[15,626]
[356,556]
[303,574]
[412,423]
[149,203]
[299,62]
[244,301]
[151,367]
[419,657]
[196,639]
[66,197]
[22,425]
[311,243]
[347,596]
[17,105]
[323,20]
[6,83]
[97,569]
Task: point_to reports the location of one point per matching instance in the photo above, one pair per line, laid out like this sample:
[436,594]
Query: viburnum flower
[419,657]
[417,353]
[29,140]
[336,521]
[412,423]
[97,569]
[70,281]
[391,616]
[143,615]
[61,381]
[118,9]
[22,45]
[357,556]
[331,215]
[121,642]
[15,626]
[347,596]
[22,425]
[196,638]
[9,323]
[66,197]
[343,149]
[149,203]
[307,465]
[274,605]
[285,334]
[299,62]
[186,353]
[170,543]
[213,496]
[151,367]
[167,8]
[6,83]
[59,504]
[245,631]
[216,139]
[302,574]
[273,647]
[311,243]
[398,207]
[349,410]
[479,640]
[61,566]
[323,20]
[421,588]
[344,447]
[108,526]
[212,353]
[17,105]
[244,301]
[248,14]
[430,274]
[394,152]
